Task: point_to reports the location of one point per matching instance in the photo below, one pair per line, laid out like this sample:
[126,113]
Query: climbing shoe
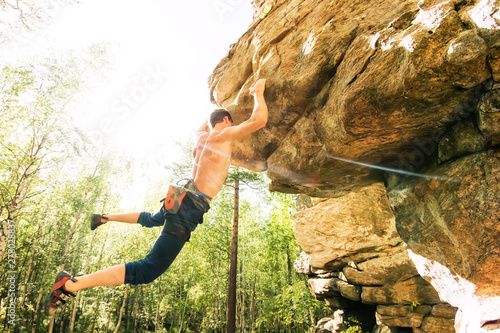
[59,295]
[96,221]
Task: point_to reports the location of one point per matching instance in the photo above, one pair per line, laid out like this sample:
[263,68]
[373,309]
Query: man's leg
[65,285]
[145,219]
[164,251]
[111,276]
[162,254]
[97,220]
[160,257]
[124,217]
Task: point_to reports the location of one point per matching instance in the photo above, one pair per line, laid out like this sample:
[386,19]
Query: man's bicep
[239,131]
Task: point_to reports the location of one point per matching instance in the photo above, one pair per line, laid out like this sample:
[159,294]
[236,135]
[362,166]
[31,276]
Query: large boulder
[452,226]
[370,100]
[455,221]
[357,262]
[355,227]
[488,115]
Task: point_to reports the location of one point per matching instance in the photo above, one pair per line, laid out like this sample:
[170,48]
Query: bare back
[211,165]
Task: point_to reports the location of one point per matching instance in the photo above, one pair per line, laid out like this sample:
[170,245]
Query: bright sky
[164,51]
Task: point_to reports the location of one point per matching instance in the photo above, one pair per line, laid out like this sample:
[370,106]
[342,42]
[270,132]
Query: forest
[54,176]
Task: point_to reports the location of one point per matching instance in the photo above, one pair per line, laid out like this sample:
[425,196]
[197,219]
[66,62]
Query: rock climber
[182,209]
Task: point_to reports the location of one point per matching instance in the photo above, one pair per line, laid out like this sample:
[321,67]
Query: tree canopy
[53,176]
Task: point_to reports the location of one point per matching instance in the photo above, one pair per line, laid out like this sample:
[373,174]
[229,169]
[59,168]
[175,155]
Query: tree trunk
[40,292]
[62,318]
[77,218]
[231,295]
[22,187]
[158,306]
[30,265]
[121,309]
[289,265]
[109,310]
[129,311]
[94,321]
[252,300]
[242,302]
[77,298]
[136,308]
[72,231]
[73,313]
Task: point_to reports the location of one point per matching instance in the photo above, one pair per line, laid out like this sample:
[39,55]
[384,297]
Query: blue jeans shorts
[167,246]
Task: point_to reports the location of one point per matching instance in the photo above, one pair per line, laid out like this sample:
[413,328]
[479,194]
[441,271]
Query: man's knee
[149,220]
[142,272]
[149,276]
[161,256]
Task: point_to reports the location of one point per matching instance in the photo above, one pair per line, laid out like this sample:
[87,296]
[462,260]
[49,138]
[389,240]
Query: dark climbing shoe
[59,295]
[96,221]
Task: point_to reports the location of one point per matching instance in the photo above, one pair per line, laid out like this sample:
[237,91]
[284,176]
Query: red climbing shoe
[59,295]
[96,221]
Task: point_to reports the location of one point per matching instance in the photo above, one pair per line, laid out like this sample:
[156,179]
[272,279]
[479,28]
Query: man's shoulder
[201,138]
[219,136]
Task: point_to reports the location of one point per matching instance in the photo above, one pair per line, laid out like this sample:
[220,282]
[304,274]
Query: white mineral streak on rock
[309,44]
[474,311]
[430,18]
[484,14]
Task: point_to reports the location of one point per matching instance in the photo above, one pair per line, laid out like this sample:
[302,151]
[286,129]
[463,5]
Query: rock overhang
[368,83]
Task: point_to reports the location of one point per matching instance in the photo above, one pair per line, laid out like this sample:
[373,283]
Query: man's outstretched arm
[203,129]
[260,112]
[257,120]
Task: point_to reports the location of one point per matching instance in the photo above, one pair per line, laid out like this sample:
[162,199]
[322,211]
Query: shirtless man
[182,210]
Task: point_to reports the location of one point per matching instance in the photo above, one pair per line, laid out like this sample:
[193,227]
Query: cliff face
[357,89]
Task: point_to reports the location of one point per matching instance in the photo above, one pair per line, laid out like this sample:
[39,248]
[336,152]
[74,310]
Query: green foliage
[353,325]
[53,177]
[412,305]
[249,178]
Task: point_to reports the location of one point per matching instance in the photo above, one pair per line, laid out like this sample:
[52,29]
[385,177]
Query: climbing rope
[191,279]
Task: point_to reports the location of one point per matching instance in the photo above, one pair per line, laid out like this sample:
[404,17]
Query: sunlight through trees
[53,176]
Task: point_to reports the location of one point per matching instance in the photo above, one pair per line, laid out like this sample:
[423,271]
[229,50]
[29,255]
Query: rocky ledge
[387,113]
[366,271]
